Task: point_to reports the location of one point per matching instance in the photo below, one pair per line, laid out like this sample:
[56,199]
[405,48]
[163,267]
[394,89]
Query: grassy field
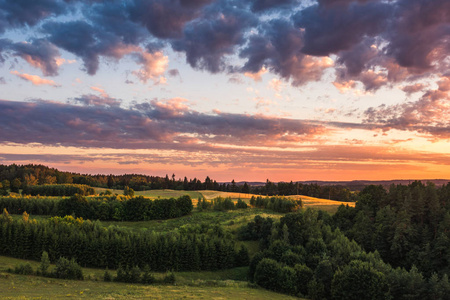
[316,203]
[329,206]
[227,284]
[230,219]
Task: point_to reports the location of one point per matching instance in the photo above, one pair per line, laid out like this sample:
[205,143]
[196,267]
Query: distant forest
[16,177]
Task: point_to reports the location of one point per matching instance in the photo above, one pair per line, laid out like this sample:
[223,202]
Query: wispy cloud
[34,79]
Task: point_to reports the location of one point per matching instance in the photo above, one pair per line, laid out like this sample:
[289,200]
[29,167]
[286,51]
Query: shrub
[107,276]
[67,269]
[267,274]
[24,269]
[169,278]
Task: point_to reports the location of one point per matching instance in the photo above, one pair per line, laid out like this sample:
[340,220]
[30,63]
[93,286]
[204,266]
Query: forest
[392,244]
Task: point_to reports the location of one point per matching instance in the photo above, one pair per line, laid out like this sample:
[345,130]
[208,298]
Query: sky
[232,89]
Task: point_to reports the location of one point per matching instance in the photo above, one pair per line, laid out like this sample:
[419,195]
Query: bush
[67,269]
[241,204]
[267,274]
[107,276]
[371,284]
[24,269]
[147,277]
[169,278]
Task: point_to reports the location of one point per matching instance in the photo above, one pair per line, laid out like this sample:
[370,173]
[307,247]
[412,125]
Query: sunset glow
[244,90]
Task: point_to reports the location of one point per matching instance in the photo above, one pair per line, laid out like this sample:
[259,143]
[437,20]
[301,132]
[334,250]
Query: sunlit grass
[225,284]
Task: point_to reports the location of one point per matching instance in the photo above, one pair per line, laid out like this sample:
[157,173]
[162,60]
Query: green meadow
[227,284]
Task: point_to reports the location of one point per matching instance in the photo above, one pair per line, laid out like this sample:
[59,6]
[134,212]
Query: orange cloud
[256,76]
[100,90]
[34,79]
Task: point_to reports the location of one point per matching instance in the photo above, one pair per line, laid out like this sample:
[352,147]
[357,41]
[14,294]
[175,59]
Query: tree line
[58,190]
[105,208]
[92,245]
[15,177]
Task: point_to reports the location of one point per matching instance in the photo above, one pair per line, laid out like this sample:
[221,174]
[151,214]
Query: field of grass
[316,203]
[230,219]
[227,284]
[329,206]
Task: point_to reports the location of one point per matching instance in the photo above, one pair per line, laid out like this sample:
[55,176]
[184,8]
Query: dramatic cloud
[374,42]
[335,28]
[28,12]
[102,123]
[40,54]
[206,41]
[34,79]
[165,19]
[277,48]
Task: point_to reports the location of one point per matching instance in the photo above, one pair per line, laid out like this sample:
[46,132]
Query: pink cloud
[34,79]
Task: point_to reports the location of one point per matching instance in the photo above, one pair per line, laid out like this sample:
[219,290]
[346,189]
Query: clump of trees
[58,190]
[110,207]
[136,275]
[35,205]
[302,254]
[406,224]
[128,209]
[93,245]
[220,204]
[64,268]
[278,204]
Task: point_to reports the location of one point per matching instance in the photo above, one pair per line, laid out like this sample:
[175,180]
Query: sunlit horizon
[243,90]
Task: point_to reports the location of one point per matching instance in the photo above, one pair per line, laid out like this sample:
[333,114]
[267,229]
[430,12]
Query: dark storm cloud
[420,35]
[102,123]
[17,13]
[114,17]
[330,30]
[265,5]
[277,48]
[79,38]
[165,18]
[39,53]
[207,40]
[402,39]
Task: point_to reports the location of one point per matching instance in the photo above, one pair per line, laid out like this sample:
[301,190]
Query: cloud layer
[101,122]
[374,42]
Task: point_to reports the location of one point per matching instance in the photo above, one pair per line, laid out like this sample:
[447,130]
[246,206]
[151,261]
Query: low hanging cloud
[34,79]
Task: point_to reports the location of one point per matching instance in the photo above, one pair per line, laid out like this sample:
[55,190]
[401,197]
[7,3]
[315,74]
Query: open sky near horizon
[233,89]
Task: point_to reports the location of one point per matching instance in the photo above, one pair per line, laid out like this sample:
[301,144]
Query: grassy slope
[190,285]
[227,284]
[316,203]
[231,219]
